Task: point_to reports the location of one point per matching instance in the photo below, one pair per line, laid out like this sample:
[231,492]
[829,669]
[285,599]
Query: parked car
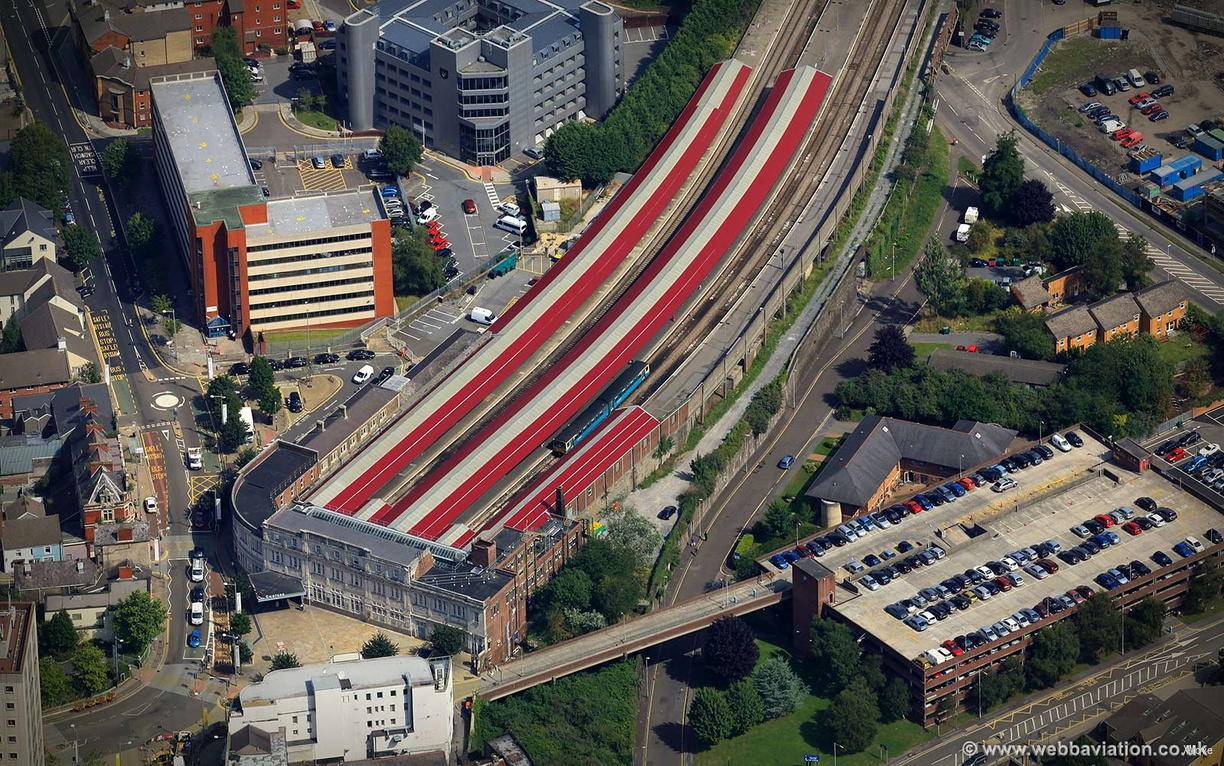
[294,401]
[193,639]
[786,462]
[360,354]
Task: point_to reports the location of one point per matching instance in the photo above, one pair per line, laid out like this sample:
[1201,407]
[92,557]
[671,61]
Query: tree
[578,621]
[710,716]
[80,246]
[664,447]
[261,375]
[852,719]
[88,373]
[270,401]
[57,636]
[237,80]
[234,433]
[1196,378]
[244,456]
[1204,590]
[834,653]
[631,530]
[379,645]
[40,164]
[1103,269]
[415,268]
[570,589]
[284,660]
[939,275]
[574,152]
[120,161]
[995,688]
[89,670]
[890,349]
[730,651]
[894,700]
[871,672]
[240,623]
[777,522]
[138,619]
[400,149]
[616,577]
[981,236]
[1144,623]
[1055,650]
[11,341]
[161,304]
[1025,334]
[747,709]
[53,683]
[142,233]
[447,640]
[1072,238]
[1031,203]
[982,296]
[224,43]
[245,654]
[1136,263]
[1099,626]
[780,687]
[1001,175]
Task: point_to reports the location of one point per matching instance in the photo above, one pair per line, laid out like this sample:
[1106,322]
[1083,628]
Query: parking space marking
[645,34]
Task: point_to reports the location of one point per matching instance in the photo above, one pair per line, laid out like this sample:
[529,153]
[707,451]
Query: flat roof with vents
[302,215]
[200,129]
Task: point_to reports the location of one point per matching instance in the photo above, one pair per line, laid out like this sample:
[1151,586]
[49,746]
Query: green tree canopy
[1031,203]
[1055,651]
[400,149]
[89,670]
[1072,238]
[1204,589]
[631,531]
[570,589]
[285,660]
[994,688]
[939,275]
[415,268]
[890,349]
[780,687]
[1136,263]
[1099,626]
[747,709]
[729,650]
[379,645]
[447,640]
[894,700]
[54,684]
[57,637]
[835,654]
[239,87]
[11,341]
[1144,623]
[138,619]
[234,433]
[142,231]
[270,401]
[80,247]
[240,623]
[261,376]
[1001,175]
[40,164]
[710,716]
[120,161]
[853,719]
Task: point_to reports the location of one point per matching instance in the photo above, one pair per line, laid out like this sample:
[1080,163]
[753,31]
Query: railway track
[798,27]
[801,183]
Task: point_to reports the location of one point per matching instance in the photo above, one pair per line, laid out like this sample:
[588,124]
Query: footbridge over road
[631,636]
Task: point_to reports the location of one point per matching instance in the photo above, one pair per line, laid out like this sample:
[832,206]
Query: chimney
[80,567]
[560,511]
[106,14]
[125,572]
[123,535]
[484,553]
[61,344]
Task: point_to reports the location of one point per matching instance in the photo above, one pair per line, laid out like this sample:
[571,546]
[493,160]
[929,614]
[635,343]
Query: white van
[1109,126]
[481,316]
[510,209]
[427,215]
[511,224]
[197,570]
[365,373]
[962,232]
[1135,78]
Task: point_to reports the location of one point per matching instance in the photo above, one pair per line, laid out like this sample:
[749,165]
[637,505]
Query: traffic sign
[811,758]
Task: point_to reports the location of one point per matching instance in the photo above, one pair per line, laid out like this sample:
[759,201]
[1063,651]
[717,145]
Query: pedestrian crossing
[491,191]
[1162,259]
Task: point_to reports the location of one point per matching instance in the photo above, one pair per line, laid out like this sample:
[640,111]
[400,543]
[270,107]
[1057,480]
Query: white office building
[351,710]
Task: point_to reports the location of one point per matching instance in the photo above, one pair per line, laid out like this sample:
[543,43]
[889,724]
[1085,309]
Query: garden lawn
[316,119]
[309,337]
[907,216]
[923,349]
[1182,348]
[784,741]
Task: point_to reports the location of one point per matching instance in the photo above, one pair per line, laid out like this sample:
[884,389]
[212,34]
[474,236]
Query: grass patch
[1072,60]
[584,718]
[311,337]
[967,168]
[976,323]
[1216,609]
[316,119]
[828,445]
[784,741]
[923,349]
[906,219]
[404,301]
[1182,348]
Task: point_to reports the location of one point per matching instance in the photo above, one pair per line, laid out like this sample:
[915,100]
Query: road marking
[491,191]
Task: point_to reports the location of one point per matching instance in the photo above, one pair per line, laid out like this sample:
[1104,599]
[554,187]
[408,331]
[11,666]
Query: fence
[1052,141]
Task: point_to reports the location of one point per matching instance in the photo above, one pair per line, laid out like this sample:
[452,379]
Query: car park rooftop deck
[1051,517]
[319,212]
[208,156]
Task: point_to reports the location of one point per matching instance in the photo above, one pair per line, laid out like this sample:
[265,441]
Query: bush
[780,687]
[852,719]
[710,716]
[747,709]
[285,660]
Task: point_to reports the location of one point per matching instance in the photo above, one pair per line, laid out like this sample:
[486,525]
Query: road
[1077,704]
[154,400]
[972,110]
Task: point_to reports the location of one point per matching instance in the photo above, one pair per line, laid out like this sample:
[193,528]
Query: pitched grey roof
[1030,293]
[18,453]
[44,326]
[27,369]
[859,466]
[63,405]
[1161,298]
[115,592]
[96,19]
[1118,310]
[1071,322]
[23,216]
[31,531]
[1189,717]
[56,574]
[1028,371]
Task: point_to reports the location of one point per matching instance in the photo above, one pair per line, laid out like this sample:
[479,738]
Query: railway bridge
[631,636]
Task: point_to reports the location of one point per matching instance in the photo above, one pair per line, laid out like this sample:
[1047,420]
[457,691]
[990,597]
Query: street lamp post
[835,746]
[173,326]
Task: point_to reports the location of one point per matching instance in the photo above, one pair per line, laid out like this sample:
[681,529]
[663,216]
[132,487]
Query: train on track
[589,419]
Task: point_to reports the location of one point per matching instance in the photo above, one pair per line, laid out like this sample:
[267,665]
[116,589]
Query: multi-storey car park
[984,528]
[436,508]
[557,298]
[262,264]
[479,79]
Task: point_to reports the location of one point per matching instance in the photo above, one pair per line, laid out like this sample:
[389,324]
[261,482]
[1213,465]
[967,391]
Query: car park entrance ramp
[552,302]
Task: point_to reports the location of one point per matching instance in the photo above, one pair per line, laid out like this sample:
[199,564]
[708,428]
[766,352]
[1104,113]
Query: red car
[1047,565]
[1121,133]
[442,245]
[1075,596]
[1153,109]
[968,484]
[914,506]
[952,647]
[1003,583]
[1135,99]
[1175,454]
[1104,519]
[469,206]
[1132,528]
